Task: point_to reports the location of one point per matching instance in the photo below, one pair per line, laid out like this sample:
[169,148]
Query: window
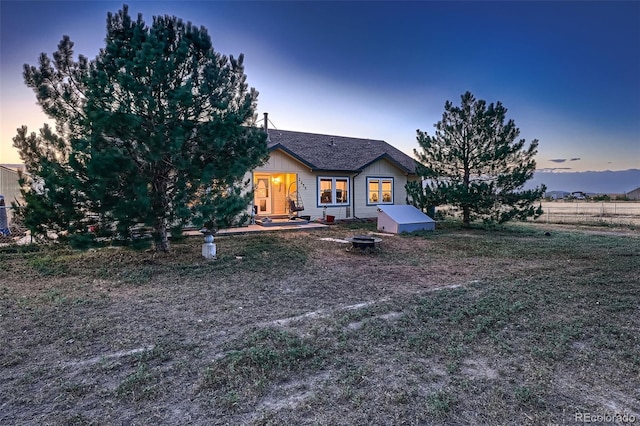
[333,191]
[326,191]
[379,191]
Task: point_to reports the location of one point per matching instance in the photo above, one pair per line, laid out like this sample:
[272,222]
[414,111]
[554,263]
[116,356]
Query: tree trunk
[160,187]
[466,216]
[162,236]
[466,209]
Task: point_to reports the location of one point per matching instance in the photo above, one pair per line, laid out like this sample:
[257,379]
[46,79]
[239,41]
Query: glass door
[263,194]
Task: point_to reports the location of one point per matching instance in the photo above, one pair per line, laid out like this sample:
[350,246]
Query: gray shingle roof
[337,153]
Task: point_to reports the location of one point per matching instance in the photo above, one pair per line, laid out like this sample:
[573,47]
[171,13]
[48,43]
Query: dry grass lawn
[480,326]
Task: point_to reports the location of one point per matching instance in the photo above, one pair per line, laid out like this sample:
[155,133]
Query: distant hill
[605,182]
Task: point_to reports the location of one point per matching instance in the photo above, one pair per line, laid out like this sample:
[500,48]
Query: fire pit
[363,242]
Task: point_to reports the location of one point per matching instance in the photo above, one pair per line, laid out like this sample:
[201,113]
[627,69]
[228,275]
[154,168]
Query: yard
[480,326]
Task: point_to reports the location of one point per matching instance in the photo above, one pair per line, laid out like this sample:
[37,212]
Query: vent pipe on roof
[333,142]
[266,126]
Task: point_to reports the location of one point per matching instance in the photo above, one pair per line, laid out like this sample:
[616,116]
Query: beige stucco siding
[281,163]
[379,169]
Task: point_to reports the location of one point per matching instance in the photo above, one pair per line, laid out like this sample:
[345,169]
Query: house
[634,194]
[557,195]
[579,195]
[323,175]
[9,185]
[9,189]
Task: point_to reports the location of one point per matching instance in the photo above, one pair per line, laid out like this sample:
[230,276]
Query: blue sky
[568,72]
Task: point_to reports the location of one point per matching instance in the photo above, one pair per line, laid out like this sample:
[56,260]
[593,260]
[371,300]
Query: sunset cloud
[552,169]
[562,160]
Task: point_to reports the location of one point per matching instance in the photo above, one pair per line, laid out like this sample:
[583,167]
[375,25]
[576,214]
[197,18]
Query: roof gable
[337,153]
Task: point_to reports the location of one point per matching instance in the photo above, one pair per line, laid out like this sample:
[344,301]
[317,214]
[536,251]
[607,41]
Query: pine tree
[57,207]
[157,130]
[475,163]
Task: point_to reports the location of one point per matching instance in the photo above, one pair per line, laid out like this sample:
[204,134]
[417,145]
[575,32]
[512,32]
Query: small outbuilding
[400,218]
[634,195]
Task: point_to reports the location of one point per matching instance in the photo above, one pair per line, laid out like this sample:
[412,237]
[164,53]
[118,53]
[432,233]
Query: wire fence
[615,213]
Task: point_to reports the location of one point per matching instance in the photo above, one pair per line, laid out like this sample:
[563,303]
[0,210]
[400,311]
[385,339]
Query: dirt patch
[291,394]
[479,369]
[387,317]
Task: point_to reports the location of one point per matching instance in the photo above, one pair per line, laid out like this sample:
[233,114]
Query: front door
[263,194]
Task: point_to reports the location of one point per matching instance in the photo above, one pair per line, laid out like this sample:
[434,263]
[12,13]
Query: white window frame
[380,179]
[334,197]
